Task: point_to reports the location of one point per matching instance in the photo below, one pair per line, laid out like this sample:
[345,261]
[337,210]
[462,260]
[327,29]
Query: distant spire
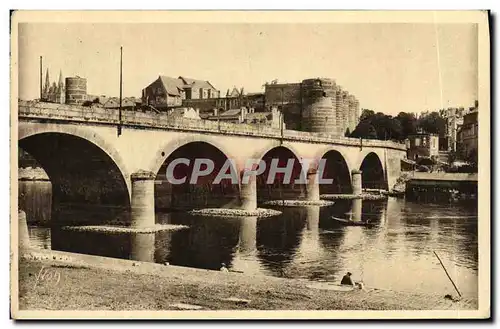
[60,83]
[47,82]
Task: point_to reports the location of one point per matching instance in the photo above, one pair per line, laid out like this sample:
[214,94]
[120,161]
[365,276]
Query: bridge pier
[312,186]
[356,182]
[248,194]
[142,200]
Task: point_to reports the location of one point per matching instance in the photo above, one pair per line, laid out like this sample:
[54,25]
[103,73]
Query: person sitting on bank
[347,279]
[223,268]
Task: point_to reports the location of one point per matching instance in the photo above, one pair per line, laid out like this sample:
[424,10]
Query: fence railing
[35,109]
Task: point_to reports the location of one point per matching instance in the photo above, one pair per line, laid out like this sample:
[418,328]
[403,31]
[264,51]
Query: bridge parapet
[81,114]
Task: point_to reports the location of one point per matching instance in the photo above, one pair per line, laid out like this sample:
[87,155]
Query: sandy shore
[53,280]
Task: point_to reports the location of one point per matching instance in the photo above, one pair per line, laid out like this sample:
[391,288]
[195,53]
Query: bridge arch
[337,169]
[202,192]
[86,174]
[373,174]
[279,188]
[171,146]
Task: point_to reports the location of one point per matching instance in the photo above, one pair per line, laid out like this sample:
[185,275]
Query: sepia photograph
[242,165]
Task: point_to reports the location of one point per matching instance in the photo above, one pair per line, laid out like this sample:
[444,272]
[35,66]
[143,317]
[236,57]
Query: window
[200,93]
[417,141]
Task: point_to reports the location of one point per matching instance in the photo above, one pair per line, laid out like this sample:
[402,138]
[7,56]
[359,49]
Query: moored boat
[348,222]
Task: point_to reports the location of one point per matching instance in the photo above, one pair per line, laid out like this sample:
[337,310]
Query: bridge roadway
[89,164]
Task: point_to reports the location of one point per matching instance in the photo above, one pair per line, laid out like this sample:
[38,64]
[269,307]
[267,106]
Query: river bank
[54,280]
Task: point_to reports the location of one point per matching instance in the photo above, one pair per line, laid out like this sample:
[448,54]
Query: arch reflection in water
[278,239]
[207,243]
[142,247]
[93,243]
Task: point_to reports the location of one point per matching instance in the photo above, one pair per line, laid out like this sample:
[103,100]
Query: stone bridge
[89,164]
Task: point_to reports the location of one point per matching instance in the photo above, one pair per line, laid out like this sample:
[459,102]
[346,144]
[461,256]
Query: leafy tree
[378,126]
[366,114]
[408,122]
[432,123]
[365,130]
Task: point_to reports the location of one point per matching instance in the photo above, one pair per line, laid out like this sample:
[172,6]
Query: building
[454,119]
[467,136]
[54,93]
[235,99]
[128,103]
[314,105]
[247,116]
[422,145]
[286,97]
[184,113]
[166,92]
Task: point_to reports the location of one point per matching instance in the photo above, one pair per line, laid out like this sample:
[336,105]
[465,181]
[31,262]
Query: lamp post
[41,80]
[120,107]
[282,114]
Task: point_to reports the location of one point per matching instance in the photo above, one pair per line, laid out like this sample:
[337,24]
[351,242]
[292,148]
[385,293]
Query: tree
[408,122]
[432,123]
[366,114]
[365,130]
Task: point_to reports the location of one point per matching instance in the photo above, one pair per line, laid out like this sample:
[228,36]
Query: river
[303,242]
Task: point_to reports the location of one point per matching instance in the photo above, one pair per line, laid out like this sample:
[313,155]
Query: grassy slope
[156,287]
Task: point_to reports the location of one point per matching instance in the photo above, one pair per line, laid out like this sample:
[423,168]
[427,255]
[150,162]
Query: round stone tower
[318,113]
[76,90]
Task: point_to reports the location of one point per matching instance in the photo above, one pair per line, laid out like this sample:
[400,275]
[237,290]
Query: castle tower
[339,115]
[345,112]
[352,113]
[318,114]
[357,113]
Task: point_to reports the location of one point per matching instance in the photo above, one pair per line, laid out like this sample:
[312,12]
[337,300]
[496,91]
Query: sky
[389,67]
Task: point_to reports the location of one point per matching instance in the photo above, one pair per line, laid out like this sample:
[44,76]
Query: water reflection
[309,245]
[209,241]
[278,238]
[248,235]
[357,206]
[142,247]
[303,242]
